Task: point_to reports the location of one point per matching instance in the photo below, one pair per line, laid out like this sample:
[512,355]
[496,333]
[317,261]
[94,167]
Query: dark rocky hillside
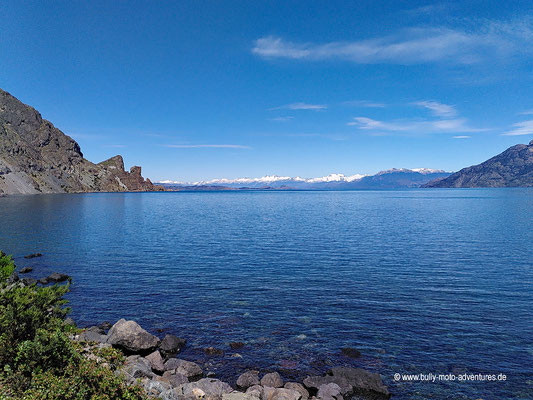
[36,157]
[512,168]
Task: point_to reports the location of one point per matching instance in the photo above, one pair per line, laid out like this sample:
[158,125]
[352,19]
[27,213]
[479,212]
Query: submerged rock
[212,351]
[57,277]
[272,379]
[236,345]
[129,336]
[34,255]
[25,270]
[350,352]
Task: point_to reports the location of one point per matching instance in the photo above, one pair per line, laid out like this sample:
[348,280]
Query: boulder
[137,367]
[272,379]
[270,393]
[171,345]
[25,270]
[129,336]
[241,396]
[313,383]
[187,368]
[212,351]
[92,336]
[57,277]
[156,361]
[362,381]
[298,387]
[213,389]
[256,390]
[331,391]
[175,379]
[34,255]
[350,352]
[247,379]
[155,387]
[44,281]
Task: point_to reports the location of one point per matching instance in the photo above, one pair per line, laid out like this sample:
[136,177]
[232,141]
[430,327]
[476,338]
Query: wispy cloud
[202,146]
[521,128]
[438,109]
[301,106]
[282,119]
[364,103]
[527,112]
[118,146]
[462,137]
[415,126]
[486,41]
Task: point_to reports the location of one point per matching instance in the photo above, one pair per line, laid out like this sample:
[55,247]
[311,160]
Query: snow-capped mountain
[393,178]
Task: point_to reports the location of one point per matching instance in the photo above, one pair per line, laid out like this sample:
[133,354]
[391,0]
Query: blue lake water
[420,281]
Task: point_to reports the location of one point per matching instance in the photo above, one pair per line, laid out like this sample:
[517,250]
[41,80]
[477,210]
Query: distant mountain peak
[511,168]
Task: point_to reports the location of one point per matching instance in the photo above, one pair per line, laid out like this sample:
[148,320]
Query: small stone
[34,255]
[212,351]
[25,270]
[236,345]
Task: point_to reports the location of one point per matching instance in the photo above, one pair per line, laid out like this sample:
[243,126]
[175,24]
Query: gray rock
[362,381]
[212,388]
[331,391]
[172,394]
[25,270]
[129,336]
[91,336]
[137,367]
[314,382]
[43,281]
[272,379]
[247,379]
[212,351]
[105,326]
[57,277]
[175,379]
[298,387]
[34,255]
[241,396]
[13,278]
[270,393]
[171,345]
[256,390]
[155,387]
[70,321]
[187,368]
[28,281]
[156,361]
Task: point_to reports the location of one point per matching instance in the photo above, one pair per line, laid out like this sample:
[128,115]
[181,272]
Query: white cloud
[462,137]
[415,126]
[202,146]
[527,112]
[282,119]
[364,103]
[438,109]
[521,128]
[301,106]
[485,42]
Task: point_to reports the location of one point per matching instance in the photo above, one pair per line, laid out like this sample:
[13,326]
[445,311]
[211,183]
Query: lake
[419,281]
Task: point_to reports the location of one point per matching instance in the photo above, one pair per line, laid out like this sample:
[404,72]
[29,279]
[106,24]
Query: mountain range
[390,179]
[36,157]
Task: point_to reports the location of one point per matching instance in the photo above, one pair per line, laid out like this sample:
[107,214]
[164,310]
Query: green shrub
[38,361]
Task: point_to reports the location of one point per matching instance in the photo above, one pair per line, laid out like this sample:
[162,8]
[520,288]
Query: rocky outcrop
[512,168]
[36,157]
[129,336]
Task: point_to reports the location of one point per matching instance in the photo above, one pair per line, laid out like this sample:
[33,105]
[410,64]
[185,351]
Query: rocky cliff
[512,168]
[36,157]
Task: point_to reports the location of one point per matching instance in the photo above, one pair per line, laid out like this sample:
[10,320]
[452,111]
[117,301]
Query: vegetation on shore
[38,359]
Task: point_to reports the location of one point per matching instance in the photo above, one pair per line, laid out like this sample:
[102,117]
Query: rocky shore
[154,364]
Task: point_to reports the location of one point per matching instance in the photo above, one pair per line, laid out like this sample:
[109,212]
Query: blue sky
[197,90]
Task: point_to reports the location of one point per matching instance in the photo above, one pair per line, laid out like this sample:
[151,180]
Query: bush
[38,361]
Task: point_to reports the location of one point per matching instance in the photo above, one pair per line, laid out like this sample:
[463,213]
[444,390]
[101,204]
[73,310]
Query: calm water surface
[421,281]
